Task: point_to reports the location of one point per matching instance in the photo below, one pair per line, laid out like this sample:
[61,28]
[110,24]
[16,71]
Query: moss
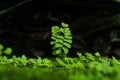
[95,68]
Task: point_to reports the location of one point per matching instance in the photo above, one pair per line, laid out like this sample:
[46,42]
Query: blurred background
[25,25]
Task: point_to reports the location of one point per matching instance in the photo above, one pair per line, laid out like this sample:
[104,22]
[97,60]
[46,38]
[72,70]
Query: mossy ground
[87,67]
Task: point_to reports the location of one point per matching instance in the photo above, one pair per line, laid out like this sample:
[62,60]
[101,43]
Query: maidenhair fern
[61,40]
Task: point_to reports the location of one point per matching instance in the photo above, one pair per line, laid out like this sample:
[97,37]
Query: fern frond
[61,40]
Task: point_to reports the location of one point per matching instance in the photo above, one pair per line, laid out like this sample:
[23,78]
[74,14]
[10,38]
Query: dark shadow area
[25,25]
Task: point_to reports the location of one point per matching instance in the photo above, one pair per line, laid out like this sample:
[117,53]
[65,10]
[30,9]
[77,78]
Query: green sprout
[23,60]
[61,40]
[8,51]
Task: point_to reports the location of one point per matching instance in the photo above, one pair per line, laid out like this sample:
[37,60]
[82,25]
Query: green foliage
[61,40]
[94,67]
[6,51]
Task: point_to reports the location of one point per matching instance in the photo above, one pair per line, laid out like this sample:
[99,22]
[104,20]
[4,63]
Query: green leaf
[59,37]
[67,45]
[55,29]
[60,62]
[24,57]
[64,25]
[46,61]
[81,57]
[79,54]
[56,52]
[97,54]
[58,45]
[39,60]
[55,37]
[62,30]
[8,51]
[52,42]
[68,41]
[89,56]
[59,41]
[68,37]
[65,50]
[67,30]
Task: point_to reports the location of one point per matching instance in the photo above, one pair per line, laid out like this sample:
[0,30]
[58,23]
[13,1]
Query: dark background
[25,25]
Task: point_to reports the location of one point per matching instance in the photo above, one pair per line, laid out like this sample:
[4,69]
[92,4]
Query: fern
[61,40]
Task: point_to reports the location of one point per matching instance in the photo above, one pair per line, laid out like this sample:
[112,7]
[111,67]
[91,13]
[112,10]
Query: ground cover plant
[82,67]
[86,67]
